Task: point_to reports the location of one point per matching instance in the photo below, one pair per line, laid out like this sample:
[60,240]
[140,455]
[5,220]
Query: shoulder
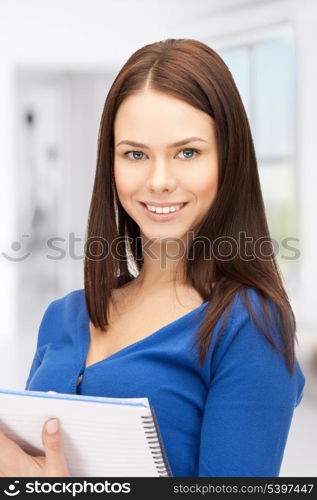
[249,308]
[241,336]
[245,353]
[67,303]
[59,313]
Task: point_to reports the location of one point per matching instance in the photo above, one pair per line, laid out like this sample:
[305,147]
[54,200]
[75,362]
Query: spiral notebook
[110,437]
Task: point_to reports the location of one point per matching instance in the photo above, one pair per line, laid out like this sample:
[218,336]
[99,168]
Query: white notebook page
[101,436]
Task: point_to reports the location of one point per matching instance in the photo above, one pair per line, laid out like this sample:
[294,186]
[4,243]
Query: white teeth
[164,210]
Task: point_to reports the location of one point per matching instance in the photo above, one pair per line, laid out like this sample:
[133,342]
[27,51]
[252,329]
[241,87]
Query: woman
[205,329]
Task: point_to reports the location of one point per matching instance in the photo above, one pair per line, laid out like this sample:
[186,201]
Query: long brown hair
[191,71]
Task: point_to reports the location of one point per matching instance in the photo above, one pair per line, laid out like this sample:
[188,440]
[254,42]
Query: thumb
[52,441]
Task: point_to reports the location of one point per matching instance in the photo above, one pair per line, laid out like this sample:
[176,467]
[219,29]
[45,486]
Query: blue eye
[190,150]
[133,153]
[138,155]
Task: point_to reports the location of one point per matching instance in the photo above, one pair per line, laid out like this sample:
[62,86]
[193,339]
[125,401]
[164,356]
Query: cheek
[126,180]
[204,185]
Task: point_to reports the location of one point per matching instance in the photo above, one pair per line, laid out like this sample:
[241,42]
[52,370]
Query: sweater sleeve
[45,333]
[249,405]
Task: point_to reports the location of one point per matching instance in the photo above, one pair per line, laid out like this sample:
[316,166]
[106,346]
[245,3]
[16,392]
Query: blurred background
[58,60]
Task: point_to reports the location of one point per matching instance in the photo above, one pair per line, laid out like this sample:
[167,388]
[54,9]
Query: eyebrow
[174,144]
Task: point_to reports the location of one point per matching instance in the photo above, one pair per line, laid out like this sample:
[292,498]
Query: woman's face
[150,168]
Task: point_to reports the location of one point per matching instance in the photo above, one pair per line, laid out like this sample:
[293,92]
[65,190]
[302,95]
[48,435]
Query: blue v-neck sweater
[227,418]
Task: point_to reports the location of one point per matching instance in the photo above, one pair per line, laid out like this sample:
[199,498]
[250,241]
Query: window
[264,72]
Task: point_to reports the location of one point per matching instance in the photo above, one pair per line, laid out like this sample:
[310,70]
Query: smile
[163,213]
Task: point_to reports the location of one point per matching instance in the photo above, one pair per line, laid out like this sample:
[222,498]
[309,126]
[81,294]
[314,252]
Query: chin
[163,234]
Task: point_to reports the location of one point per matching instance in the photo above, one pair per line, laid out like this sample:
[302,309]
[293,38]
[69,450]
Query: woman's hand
[15,462]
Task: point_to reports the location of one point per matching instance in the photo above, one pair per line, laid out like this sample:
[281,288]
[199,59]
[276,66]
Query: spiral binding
[156,445]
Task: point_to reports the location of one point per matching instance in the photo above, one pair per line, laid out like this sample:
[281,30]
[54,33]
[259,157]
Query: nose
[161,176]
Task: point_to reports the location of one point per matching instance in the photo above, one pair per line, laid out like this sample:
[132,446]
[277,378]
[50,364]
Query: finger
[52,441]
[7,443]
[10,451]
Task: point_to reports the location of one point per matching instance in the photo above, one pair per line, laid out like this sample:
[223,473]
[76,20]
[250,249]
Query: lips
[164,205]
[162,216]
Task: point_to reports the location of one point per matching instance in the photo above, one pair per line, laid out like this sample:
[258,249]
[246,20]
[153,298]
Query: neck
[163,265]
